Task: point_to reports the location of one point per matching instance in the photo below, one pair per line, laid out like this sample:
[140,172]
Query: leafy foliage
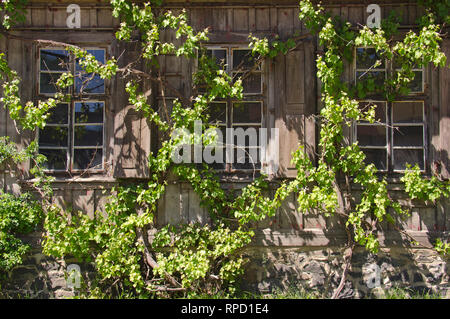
[210,257]
[18,215]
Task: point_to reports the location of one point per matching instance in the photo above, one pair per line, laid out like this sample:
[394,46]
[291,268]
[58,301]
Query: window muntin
[243,65]
[408,134]
[373,137]
[246,114]
[88,83]
[402,135]
[73,139]
[398,136]
[88,134]
[368,64]
[52,64]
[54,138]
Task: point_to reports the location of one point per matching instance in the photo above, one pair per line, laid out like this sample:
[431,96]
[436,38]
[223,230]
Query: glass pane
[89,84]
[87,158]
[217,112]
[412,157]
[416,85]
[247,158]
[243,59]
[54,60]
[216,157]
[246,135]
[380,110]
[247,112]
[407,112]
[47,83]
[366,58]
[220,55]
[56,159]
[378,157]
[378,77]
[371,135]
[89,135]
[59,114]
[89,112]
[97,53]
[408,136]
[251,82]
[54,136]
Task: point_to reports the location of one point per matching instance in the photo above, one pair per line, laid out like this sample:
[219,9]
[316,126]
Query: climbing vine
[133,258]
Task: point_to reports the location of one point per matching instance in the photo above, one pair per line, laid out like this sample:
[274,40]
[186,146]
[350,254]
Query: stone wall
[273,269]
[320,270]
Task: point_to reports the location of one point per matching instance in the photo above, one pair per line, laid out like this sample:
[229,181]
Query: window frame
[248,98]
[386,125]
[76,97]
[412,97]
[423,124]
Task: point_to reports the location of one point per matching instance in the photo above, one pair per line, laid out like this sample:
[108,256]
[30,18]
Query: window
[244,117]
[398,136]
[73,138]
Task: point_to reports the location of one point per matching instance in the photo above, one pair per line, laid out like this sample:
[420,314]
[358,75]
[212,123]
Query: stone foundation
[273,269]
[320,270]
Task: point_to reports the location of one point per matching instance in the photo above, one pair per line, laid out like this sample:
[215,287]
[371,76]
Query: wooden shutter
[444,121]
[295,102]
[131,129]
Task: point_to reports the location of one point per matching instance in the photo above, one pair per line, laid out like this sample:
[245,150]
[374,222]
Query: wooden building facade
[286,94]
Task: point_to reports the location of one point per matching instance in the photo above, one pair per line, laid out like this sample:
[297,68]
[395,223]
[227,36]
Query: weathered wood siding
[291,95]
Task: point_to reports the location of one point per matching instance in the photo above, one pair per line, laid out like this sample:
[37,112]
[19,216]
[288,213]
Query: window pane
[89,112]
[378,77]
[376,157]
[217,112]
[246,135]
[59,114]
[408,136]
[54,60]
[220,55]
[56,159]
[217,156]
[54,136]
[251,82]
[247,112]
[97,53]
[247,158]
[243,59]
[380,110]
[89,84]
[371,135]
[87,158]
[88,135]
[401,157]
[416,84]
[366,58]
[407,112]
[47,83]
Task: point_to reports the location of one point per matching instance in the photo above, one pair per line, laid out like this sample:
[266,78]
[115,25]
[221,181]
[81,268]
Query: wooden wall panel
[288,216]
[219,20]
[285,22]
[444,123]
[240,20]
[262,18]
[84,201]
[295,84]
[3,112]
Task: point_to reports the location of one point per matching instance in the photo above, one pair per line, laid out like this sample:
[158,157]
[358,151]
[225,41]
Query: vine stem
[148,256]
[348,261]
